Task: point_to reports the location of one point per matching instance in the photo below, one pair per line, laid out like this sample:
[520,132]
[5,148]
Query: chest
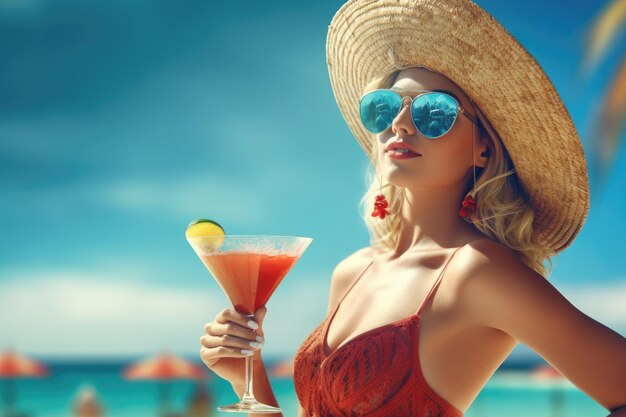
[387,294]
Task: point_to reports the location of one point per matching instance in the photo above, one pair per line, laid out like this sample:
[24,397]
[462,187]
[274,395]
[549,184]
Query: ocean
[508,393]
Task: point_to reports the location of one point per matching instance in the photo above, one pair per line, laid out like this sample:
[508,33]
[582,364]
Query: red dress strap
[436,284]
[349,288]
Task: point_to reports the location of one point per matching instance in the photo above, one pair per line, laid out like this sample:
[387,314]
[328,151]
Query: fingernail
[254,344]
[246,352]
[252,324]
[259,338]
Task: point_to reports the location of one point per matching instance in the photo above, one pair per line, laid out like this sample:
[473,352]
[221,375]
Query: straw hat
[457,38]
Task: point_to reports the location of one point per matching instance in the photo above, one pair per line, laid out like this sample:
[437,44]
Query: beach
[507,393]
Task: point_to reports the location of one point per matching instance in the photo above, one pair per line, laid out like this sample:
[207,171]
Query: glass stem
[248,395]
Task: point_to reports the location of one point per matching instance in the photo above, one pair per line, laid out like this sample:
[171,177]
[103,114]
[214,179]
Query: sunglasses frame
[460,109]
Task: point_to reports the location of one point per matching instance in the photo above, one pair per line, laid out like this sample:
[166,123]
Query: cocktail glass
[249,268]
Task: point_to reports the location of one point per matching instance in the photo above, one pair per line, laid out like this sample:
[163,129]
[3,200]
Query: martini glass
[249,268]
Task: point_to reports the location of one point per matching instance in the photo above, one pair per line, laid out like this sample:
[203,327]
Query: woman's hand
[224,340]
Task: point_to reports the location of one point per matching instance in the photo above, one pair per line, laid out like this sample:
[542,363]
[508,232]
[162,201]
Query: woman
[477,182]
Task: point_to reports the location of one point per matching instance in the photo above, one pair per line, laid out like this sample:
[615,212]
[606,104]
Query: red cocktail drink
[248,268]
[248,278]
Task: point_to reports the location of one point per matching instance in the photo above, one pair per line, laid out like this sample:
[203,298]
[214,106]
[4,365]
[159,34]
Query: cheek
[454,152]
[443,163]
[379,150]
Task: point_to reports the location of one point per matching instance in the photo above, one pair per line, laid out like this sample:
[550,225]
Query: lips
[402,145]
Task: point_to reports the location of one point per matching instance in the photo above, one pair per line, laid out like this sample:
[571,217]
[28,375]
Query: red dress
[374,374]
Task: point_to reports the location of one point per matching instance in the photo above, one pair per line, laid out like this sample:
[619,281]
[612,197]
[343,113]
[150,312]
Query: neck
[430,219]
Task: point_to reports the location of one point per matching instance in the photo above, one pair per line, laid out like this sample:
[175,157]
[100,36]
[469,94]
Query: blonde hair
[502,209]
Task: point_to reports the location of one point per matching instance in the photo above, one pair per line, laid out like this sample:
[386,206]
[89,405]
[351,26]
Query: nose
[403,123]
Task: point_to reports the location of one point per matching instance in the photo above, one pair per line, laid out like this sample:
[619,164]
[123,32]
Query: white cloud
[295,310]
[92,314]
[604,302]
[181,196]
[76,313]
[85,313]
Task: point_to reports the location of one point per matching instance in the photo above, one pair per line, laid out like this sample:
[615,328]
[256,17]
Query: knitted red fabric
[374,374]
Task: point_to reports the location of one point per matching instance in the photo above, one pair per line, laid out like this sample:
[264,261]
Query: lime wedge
[206,227]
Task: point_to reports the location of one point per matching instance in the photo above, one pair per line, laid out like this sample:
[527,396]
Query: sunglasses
[433,113]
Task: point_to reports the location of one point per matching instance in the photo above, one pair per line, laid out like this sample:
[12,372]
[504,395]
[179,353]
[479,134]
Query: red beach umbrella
[282,369]
[164,367]
[13,366]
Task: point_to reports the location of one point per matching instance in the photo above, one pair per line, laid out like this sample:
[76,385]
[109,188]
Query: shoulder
[497,290]
[485,255]
[346,271]
[490,278]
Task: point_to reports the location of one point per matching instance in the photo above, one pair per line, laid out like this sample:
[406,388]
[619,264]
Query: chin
[399,177]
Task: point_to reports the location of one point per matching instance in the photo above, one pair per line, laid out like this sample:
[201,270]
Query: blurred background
[120,122]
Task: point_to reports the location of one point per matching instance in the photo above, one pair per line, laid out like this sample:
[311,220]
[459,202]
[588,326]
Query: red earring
[380,207]
[381,204]
[468,206]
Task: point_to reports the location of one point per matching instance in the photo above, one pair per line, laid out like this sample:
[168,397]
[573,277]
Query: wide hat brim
[372,38]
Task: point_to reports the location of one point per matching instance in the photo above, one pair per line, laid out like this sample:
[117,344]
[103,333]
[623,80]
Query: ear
[481,152]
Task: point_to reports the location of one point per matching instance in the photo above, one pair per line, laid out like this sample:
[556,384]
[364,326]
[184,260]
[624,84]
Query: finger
[233,329]
[259,315]
[229,341]
[229,314]
[210,355]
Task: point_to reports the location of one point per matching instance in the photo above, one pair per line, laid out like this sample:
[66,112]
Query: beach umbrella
[13,366]
[164,367]
[555,381]
[282,369]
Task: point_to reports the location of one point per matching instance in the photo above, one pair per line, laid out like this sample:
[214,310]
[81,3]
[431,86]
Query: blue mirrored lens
[378,109]
[434,114]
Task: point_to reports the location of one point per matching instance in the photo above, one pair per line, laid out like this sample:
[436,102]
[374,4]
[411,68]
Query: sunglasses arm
[469,116]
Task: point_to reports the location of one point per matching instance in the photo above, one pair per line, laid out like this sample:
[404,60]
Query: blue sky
[122,121]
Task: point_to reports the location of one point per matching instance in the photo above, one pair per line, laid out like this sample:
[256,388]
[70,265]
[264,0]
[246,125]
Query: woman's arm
[499,291]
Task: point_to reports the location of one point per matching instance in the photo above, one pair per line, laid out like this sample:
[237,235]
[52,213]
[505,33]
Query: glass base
[249,406]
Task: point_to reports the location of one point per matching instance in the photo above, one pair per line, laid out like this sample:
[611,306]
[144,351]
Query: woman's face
[444,161]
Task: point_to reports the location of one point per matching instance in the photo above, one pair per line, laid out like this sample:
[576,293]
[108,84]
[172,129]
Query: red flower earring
[380,207]
[468,207]
[381,204]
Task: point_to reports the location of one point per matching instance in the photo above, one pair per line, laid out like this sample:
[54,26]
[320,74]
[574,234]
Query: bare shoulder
[488,275]
[497,290]
[486,253]
[345,272]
